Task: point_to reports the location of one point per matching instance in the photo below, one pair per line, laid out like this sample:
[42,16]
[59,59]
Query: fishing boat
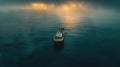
[59,36]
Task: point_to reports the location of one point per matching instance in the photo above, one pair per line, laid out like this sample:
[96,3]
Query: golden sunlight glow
[69,12]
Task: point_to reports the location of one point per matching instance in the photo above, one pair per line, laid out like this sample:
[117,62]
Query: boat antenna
[58,26]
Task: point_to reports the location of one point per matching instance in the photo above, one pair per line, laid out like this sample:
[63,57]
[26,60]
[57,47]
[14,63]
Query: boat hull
[59,40]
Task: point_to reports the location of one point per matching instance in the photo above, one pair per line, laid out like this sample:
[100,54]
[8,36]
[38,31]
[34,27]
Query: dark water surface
[26,39]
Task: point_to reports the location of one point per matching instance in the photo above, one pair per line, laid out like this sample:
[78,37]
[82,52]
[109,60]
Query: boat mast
[58,26]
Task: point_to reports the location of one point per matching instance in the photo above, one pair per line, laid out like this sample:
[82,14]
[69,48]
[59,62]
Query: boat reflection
[59,45]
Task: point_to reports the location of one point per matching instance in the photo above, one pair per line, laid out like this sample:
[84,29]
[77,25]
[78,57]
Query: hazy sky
[112,2]
[105,3]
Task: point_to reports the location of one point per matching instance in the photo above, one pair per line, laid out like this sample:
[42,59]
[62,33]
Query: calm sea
[92,39]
